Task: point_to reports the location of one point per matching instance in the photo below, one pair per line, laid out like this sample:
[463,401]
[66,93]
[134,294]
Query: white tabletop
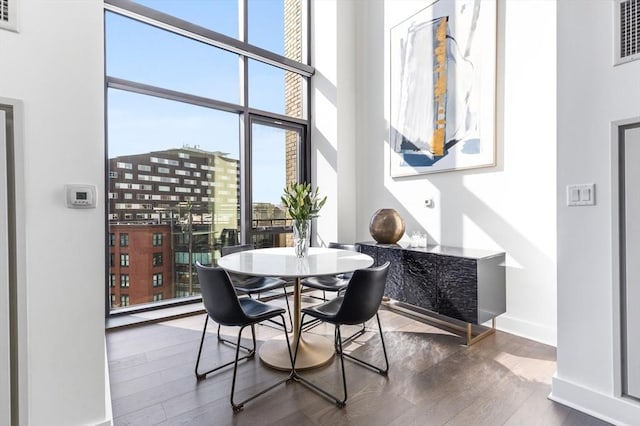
[282,262]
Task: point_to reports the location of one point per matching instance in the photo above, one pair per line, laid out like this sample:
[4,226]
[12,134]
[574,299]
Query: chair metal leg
[286,299]
[310,325]
[201,376]
[355,335]
[238,406]
[315,323]
[339,349]
[383,371]
[339,402]
[323,298]
[342,403]
[229,342]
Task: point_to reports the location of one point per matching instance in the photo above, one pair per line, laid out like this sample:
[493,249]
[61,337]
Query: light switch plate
[581,194]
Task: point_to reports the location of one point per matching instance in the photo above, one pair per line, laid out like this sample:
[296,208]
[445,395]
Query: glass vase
[301,237]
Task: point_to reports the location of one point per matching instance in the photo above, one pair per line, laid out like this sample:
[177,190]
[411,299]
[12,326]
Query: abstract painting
[443,81]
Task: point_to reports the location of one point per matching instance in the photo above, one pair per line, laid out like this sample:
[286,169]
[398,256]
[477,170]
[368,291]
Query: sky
[141,53]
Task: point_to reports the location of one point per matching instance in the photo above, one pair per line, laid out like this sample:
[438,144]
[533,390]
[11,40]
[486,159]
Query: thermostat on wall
[80,196]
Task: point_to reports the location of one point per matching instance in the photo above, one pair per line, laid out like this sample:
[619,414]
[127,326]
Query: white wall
[5,381]
[333,129]
[510,207]
[592,94]
[55,65]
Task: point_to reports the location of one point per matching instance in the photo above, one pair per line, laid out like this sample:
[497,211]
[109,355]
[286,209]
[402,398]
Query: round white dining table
[315,350]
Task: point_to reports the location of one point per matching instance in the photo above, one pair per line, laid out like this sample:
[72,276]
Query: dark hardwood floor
[434,379]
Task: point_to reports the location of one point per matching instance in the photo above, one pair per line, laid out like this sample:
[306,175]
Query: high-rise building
[147,187]
[168,209]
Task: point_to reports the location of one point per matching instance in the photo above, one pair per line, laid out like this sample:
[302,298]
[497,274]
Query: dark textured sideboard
[464,284]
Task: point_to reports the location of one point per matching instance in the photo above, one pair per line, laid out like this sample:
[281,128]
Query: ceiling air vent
[627,27]
[8,19]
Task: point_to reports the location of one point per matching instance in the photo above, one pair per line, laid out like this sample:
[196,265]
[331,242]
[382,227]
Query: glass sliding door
[276,154]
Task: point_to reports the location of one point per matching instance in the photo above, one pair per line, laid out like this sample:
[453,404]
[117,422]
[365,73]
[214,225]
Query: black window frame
[147,15]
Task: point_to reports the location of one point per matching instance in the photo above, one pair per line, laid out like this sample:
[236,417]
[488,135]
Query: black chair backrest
[219,297]
[229,237]
[363,295]
[235,249]
[351,247]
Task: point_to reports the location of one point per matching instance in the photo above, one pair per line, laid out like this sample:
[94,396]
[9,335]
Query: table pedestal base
[314,351]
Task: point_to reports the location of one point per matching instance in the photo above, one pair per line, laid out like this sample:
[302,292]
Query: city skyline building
[168,209]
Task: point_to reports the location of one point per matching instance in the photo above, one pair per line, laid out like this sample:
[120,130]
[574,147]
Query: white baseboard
[618,411]
[108,410]
[529,330]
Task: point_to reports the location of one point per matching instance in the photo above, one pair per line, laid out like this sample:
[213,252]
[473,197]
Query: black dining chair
[359,304]
[225,307]
[248,285]
[331,283]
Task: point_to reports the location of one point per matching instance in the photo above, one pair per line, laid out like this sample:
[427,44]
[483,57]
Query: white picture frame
[443,88]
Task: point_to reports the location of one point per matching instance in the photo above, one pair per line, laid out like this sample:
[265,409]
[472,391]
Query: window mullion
[178,26]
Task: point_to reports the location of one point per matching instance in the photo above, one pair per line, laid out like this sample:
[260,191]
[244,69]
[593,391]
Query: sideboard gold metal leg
[471,339]
[462,329]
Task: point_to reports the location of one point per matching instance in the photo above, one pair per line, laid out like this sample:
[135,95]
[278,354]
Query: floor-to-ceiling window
[206,123]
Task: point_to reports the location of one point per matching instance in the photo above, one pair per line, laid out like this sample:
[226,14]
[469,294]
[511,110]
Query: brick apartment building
[168,209]
[141,264]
